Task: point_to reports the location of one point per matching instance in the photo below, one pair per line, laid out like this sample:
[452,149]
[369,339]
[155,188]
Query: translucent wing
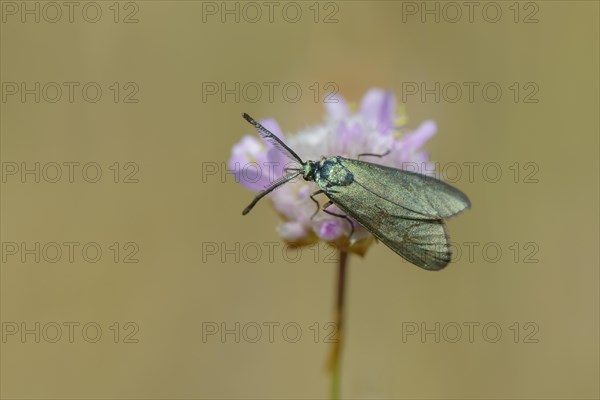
[414,192]
[420,240]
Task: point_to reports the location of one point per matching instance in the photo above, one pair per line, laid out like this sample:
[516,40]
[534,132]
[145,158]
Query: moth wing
[421,241]
[420,193]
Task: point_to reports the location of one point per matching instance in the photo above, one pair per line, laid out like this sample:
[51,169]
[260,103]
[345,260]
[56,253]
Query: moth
[404,210]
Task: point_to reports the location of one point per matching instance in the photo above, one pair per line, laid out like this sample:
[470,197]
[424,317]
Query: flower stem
[336,351]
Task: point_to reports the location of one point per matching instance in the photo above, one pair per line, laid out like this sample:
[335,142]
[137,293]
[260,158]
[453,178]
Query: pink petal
[247,163]
[417,138]
[330,229]
[378,107]
[336,106]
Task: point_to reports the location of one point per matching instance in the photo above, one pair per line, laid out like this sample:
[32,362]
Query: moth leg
[374,155]
[312,197]
[330,203]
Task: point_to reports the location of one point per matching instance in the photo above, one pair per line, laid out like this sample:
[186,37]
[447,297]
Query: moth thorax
[335,173]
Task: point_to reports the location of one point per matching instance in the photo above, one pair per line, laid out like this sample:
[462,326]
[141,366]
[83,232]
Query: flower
[375,129]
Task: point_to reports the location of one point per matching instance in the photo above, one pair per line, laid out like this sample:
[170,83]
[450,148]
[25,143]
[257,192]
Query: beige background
[171,212]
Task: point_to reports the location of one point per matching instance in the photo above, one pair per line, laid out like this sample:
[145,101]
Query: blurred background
[129,272]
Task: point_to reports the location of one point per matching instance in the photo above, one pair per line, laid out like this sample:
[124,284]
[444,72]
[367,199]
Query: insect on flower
[403,209]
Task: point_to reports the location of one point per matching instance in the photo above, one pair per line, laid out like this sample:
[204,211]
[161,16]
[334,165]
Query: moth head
[308,170]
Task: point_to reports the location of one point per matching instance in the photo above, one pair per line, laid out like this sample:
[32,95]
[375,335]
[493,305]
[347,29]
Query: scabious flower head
[375,128]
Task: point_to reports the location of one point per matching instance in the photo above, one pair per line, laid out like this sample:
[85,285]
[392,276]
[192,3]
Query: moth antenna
[274,140]
[268,190]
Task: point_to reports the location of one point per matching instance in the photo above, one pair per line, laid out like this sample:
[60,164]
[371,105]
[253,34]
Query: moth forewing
[420,193]
[417,238]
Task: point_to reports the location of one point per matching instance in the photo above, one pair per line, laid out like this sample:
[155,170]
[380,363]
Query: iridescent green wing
[418,239]
[415,192]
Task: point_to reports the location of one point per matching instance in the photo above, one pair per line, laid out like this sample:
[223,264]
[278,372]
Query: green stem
[336,351]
